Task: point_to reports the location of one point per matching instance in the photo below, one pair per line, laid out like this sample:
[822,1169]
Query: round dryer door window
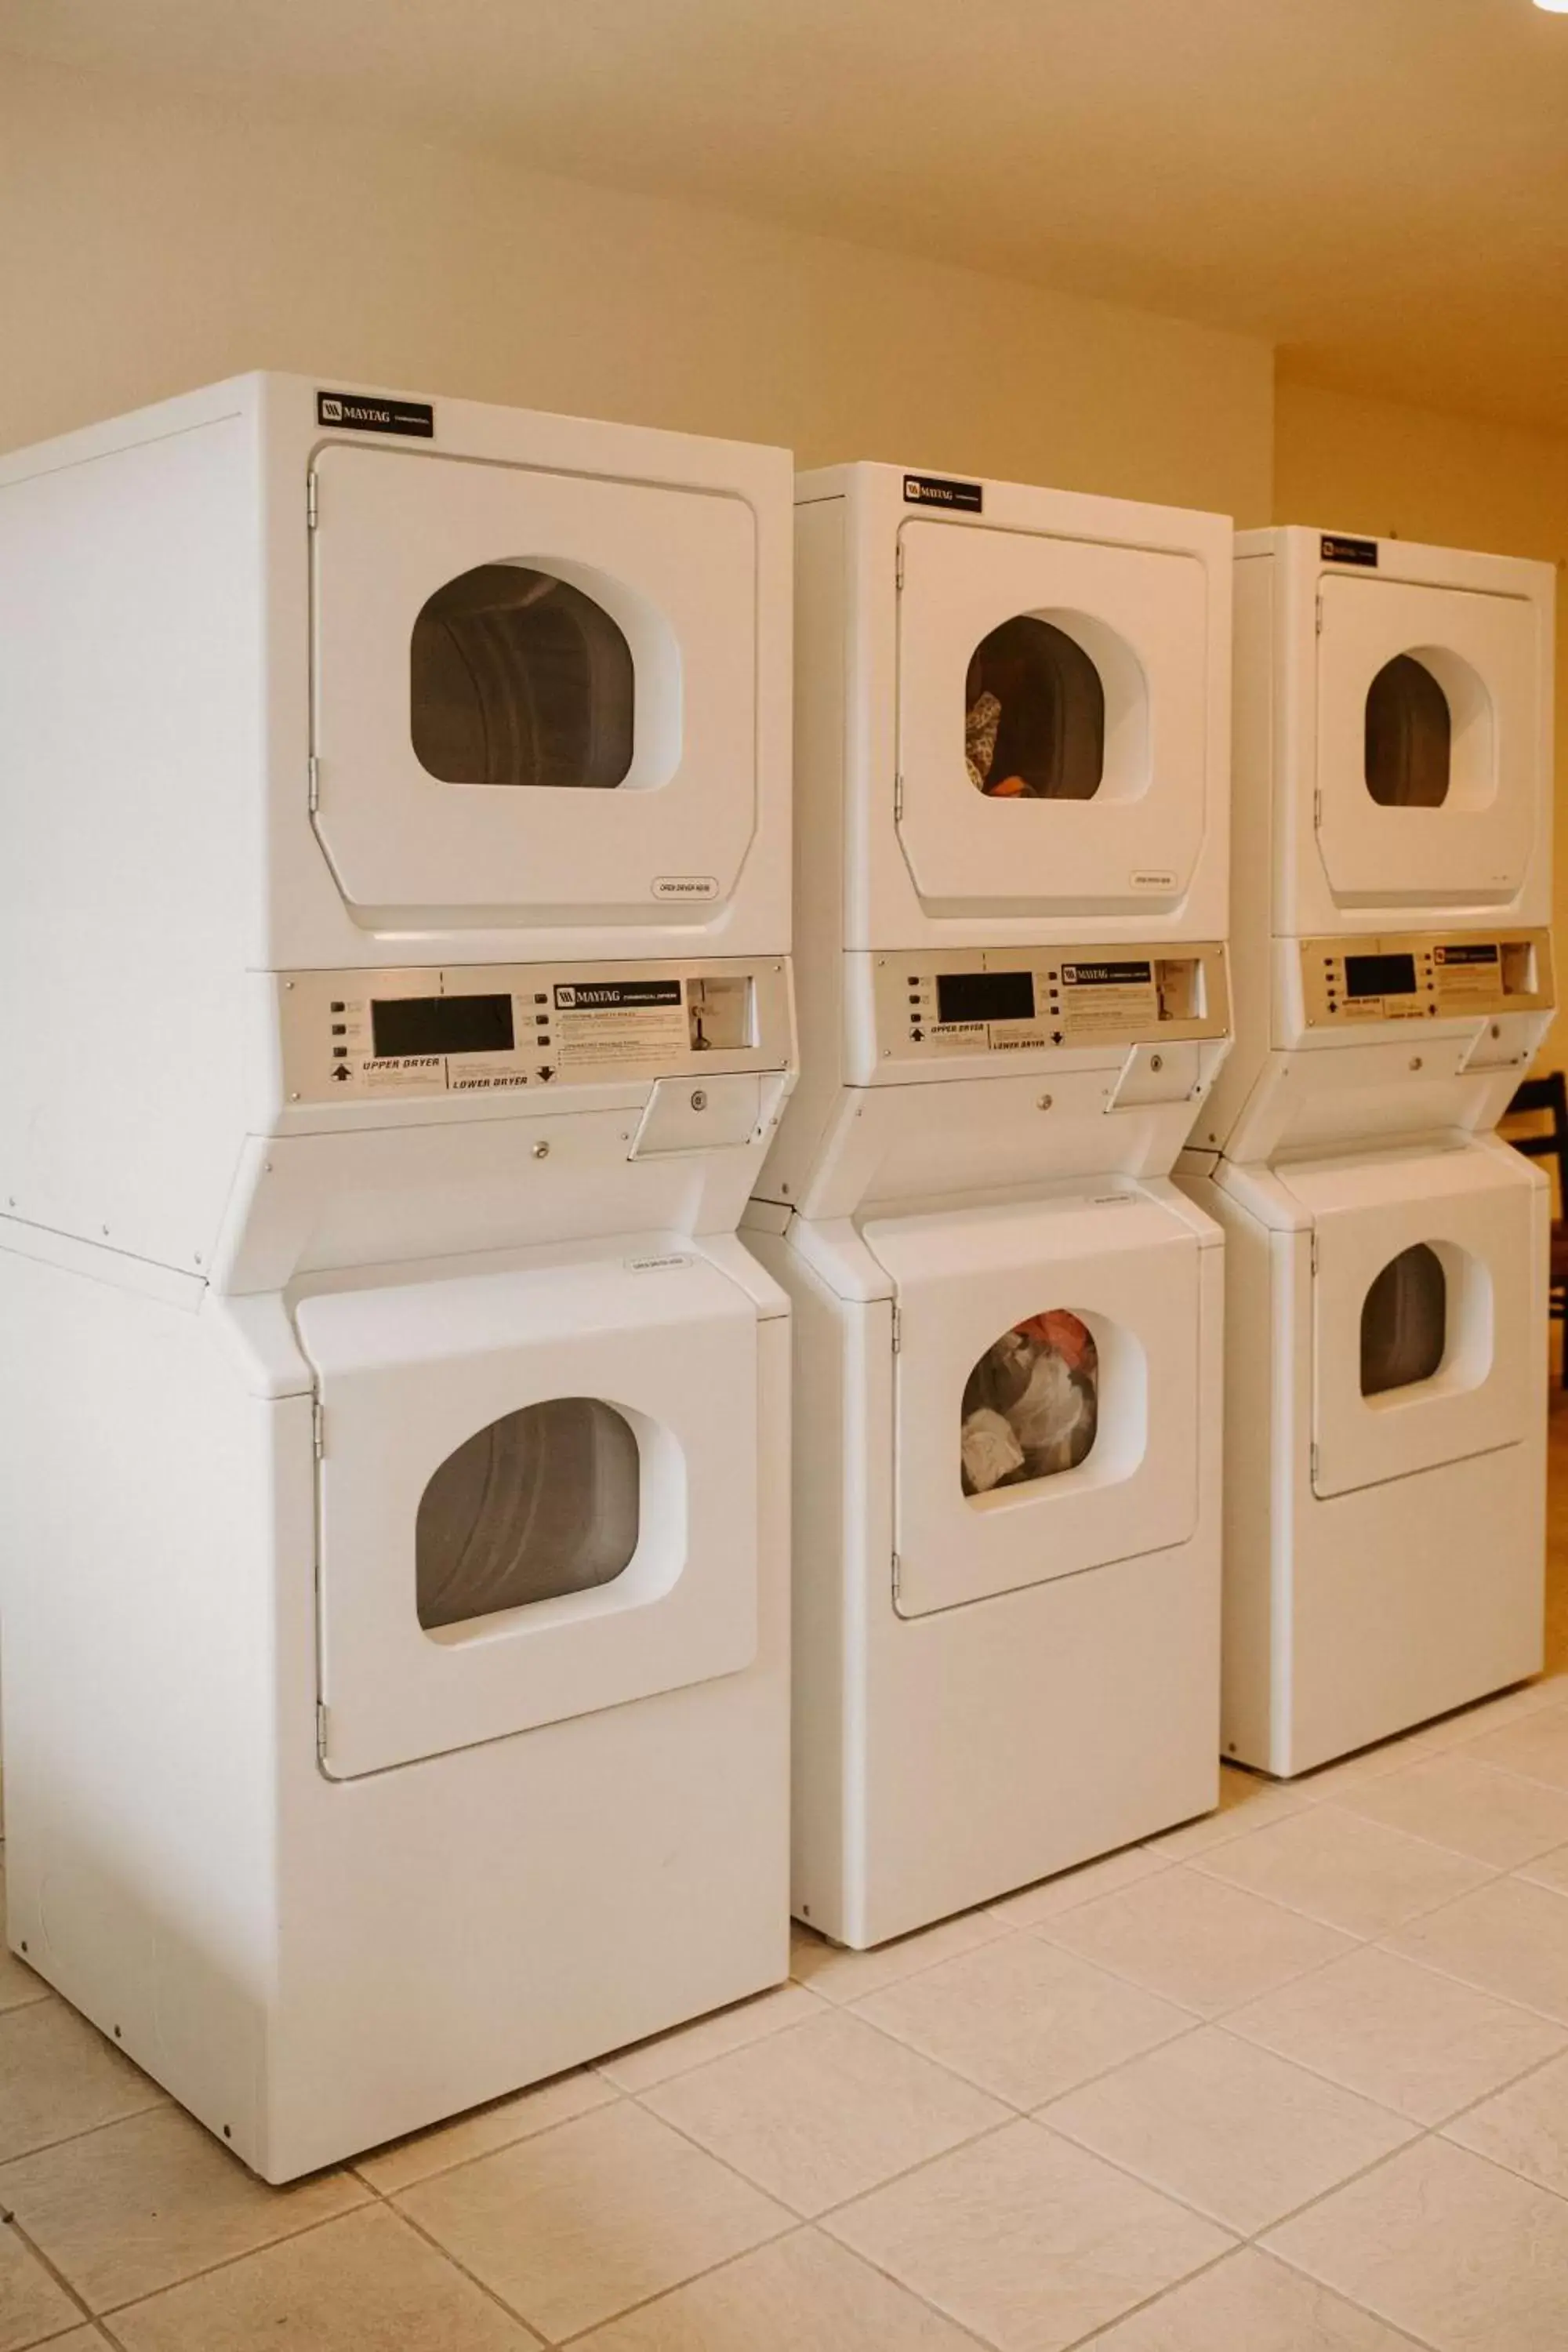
[1409,736]
[518,677]
[1405,1322]
[1030,1405]
[542,1503]
[1034,724]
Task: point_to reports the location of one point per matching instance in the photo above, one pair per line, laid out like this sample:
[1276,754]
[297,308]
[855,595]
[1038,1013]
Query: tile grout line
[490,2293]
[48,2264]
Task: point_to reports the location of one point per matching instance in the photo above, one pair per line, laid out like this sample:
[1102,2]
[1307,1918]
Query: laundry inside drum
[1031,1405]
[1033,715]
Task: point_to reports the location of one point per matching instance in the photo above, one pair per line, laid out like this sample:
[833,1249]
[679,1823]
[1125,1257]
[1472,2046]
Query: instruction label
[1467,971]
[1107,999]
[619,1021]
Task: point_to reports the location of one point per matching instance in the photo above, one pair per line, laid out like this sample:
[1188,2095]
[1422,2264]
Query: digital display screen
[1380,975]
[441,1025]
[986,996]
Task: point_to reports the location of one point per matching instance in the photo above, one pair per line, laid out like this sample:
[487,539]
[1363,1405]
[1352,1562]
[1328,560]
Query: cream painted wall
[153,241]
[1372,465]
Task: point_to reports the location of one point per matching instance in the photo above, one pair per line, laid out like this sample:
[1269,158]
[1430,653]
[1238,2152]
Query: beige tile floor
[1291,2079]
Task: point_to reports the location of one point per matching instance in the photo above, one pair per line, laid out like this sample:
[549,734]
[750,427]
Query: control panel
[1000,1001]
[353,1036]
[1425,976]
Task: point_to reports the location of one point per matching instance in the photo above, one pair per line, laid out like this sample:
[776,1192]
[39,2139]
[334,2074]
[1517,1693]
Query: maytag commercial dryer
[395,1432]
[1386,1258]
[1011,835]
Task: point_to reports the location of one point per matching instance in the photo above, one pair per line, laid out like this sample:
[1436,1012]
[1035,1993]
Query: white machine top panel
[353,1036]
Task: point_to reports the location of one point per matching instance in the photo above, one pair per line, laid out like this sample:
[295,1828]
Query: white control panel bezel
[573,1025]
[1090,996]
[1457,975]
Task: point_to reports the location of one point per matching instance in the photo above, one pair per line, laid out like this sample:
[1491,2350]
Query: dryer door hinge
[898,1328]
[321,1730]
[897,798]
[1313,1248]
[898,567]
[313,770]
[1319,631]
[312,509]
[1313,1461]
[897,1575]
[318,1429]
[1317,812]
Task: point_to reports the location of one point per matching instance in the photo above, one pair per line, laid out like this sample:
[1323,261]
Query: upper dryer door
[535,692]
[1052,721]
[1428,783]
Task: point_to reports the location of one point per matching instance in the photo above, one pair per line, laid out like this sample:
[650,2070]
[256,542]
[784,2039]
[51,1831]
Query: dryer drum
[1405,1322]
[519,678]
[1409,736]
[542,1503]
[1033,715]
[1031,1404]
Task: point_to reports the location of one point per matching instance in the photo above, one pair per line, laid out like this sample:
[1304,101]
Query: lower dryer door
[1046,1391]
[537,1497]
[1427,1309]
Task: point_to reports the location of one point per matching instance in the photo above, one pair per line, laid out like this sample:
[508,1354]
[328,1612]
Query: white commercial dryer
[1011,834]
[396,1009]
[1386,1260]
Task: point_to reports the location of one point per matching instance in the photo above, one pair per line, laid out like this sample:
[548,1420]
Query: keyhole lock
[699,1098]
[1416,1061]
[542,1151]
[1045,1102]
[1156,1061]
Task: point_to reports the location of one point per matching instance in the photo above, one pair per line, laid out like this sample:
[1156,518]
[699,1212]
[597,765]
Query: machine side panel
[819,721]
[1251,838]
[129,702]
[1250,1418]
[141,1614]
[823,1609]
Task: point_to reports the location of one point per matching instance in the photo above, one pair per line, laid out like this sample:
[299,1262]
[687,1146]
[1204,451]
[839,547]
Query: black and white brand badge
[1454,952]
[1349,550]
[931,491]
[1106,975]
[352,412]
[614,995]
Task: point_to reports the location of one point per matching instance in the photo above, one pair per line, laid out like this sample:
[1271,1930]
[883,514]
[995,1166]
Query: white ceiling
[1379,186]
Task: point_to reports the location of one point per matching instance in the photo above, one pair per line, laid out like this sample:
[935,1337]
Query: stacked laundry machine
[1386,1255]
[1011,829]
[397,804]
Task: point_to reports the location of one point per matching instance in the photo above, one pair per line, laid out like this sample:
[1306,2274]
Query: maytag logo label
[614,995]
[353,412]
[935,491]
[1361,552]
